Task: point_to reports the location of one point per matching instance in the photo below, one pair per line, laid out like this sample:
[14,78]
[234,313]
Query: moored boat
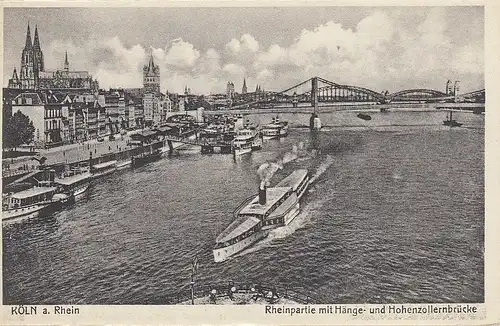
[272,207]
[146,157]
[101,169]
[246,140]
[364,116]
[72,188]
[29,203]
[275,129]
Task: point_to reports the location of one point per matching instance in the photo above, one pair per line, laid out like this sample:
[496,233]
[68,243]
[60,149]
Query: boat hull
[452,123]
[139,161]
[221,254]
[269,137]
[241,151]
[97,175]
[123,164]
[27,212]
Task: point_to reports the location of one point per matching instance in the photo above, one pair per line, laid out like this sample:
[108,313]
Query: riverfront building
[61,118]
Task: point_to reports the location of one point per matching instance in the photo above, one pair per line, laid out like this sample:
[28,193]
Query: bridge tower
[314,121]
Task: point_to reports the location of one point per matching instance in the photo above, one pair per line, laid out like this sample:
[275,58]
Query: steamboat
[246,140]
[273,207]
[73,187]
[147,157]
[102,169]
[29,203]
[35,201]
[275,129]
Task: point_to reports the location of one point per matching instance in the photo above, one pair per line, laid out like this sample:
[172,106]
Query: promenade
[66,154]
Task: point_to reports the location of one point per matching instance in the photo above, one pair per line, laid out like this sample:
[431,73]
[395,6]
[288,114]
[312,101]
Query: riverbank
[119,149]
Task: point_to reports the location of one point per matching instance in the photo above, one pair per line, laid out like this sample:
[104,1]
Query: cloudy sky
[381,48]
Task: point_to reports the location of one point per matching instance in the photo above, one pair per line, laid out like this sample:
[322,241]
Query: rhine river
[395,215]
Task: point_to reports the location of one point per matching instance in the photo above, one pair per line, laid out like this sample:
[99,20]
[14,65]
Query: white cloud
[181,54]
[234,70]
[246,43]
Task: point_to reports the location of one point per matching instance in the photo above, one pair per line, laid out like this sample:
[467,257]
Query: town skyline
[375,47]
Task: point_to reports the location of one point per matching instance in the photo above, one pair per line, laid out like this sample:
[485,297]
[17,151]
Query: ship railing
[243,204]
[224,291]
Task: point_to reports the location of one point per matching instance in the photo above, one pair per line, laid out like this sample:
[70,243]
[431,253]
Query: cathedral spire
[66,63]
[28,39]
[244,88]
[36,41]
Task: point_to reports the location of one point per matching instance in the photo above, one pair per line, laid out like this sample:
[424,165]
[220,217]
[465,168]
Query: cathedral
[33,75]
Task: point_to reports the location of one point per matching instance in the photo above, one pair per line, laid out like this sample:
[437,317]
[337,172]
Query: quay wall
[118,149]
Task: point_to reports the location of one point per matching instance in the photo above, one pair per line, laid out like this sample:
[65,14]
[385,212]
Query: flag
[194,266]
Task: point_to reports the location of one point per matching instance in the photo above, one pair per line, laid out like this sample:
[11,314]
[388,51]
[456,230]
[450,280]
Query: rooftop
[294,179]
[33,192]
[105,164]
[284,206]
[73,179]
[272,196]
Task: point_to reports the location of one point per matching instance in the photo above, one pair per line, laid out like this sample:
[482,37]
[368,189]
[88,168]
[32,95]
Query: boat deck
[284,206]
[33,192]
[272,196]
[73,179]
[105,164]
[294,179]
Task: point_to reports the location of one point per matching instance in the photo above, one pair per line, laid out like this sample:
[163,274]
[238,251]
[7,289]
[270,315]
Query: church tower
[66,63]
[14,81]
[151,77]
[244,88]
[27,75]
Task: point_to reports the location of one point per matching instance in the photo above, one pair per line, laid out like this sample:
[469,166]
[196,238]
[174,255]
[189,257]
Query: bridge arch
[417,94]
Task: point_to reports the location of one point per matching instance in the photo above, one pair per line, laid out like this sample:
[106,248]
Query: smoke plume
[268,169]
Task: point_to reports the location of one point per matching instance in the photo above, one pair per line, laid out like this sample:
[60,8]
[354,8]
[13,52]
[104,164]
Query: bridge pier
[314,121]
[170,146]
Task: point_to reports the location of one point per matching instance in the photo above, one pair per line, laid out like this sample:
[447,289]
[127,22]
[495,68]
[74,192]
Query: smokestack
[262,195]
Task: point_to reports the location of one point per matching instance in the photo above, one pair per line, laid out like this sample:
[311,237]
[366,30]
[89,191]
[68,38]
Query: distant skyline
[381,48]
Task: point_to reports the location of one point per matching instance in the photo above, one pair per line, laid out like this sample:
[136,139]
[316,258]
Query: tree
[18,130]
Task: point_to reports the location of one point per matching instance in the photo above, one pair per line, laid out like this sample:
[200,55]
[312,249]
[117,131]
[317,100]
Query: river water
[395,214]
